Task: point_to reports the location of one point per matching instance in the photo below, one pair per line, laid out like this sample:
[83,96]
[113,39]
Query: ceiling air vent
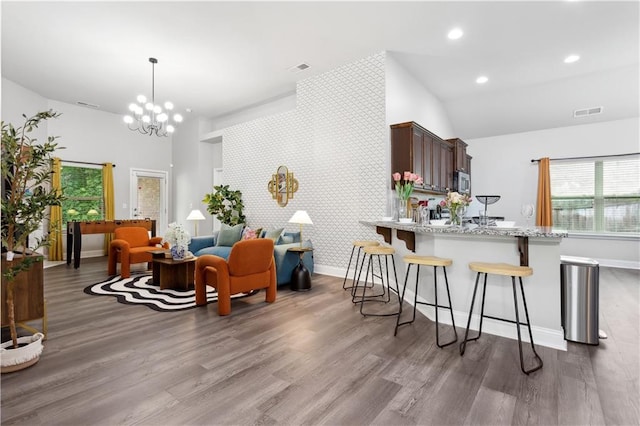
[299,67]
[88,105]
[587,111]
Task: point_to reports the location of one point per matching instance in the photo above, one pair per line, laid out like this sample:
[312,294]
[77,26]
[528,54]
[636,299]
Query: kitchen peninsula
[536,247]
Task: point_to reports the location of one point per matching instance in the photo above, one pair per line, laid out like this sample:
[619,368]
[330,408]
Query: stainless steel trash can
[579,279]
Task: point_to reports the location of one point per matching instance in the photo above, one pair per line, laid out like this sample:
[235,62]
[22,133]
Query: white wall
[334,143]
[193,164]
[502,166]
[93,136]
[275,106]
[409,100]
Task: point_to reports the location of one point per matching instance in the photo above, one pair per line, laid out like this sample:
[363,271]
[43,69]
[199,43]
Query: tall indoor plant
[226,205]
[27,194]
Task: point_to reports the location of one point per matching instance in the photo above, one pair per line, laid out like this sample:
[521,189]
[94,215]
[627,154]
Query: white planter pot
[22,357]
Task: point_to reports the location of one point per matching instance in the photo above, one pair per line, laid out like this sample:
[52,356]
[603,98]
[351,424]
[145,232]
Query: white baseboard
[542,336]
[329,270]
[88,253]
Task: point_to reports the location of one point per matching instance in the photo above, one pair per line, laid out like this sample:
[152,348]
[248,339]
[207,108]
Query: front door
[149,197]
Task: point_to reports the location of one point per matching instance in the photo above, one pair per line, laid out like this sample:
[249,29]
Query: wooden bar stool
[512,271]
[377,252]
[359,244]
[435,262]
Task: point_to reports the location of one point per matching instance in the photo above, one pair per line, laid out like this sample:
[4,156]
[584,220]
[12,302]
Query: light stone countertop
[471,230]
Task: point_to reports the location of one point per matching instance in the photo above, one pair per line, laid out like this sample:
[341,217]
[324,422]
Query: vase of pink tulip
[457,204]
[404,188]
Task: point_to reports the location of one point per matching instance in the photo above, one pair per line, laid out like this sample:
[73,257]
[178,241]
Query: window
[82,188]
[599,195]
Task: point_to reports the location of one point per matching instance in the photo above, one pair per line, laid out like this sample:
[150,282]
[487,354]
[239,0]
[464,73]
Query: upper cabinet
[460,162]
[416,149]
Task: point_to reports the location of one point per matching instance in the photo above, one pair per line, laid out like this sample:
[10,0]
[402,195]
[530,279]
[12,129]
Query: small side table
[300,277]
[176,274]
[157,254]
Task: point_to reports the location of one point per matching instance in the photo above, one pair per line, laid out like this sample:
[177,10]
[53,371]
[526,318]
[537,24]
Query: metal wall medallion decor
[282,186]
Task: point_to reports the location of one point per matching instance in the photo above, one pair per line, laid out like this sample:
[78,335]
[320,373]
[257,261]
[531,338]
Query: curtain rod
[588,157]
[85,162]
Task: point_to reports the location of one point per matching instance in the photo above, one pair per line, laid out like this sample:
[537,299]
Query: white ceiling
[221,57]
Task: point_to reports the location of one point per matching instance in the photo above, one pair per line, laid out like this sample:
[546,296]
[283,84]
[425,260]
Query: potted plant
[27,194]
[226,205]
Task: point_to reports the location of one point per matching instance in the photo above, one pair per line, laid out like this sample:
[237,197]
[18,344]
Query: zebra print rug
[138,290]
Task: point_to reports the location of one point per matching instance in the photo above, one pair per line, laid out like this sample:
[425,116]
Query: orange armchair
[131,245]
[250,267]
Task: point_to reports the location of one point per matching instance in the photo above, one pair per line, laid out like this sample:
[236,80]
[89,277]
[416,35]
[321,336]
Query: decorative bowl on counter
[438,222]
[505,223]
[405,220]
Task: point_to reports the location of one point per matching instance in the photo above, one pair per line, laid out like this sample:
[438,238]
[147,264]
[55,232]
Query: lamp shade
[301,217]
[196,215]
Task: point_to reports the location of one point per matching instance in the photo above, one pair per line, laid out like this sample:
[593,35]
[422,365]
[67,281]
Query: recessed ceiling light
[482,79]
[571,59]
[455,34]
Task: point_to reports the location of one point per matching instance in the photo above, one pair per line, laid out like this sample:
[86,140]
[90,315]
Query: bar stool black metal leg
[355,282]
[366,276]
[346,274]
[354,288]
[395,274]
[370,266]
[435,283]
[524,302]
[453,321]
[381,276]
[415,296]
[404,289]
[463,344]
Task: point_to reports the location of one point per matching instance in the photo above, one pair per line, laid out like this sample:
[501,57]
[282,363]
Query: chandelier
[149,118]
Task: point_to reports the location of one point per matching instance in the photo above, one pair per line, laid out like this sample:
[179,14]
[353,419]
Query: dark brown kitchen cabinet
[411,150]
[460,162]
[415,149]
[442,166]
[446,164]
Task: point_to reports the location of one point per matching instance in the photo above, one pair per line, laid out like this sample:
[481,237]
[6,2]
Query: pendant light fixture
[149,118]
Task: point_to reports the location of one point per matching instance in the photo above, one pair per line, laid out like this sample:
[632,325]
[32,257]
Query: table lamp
[196,215]
[302,218]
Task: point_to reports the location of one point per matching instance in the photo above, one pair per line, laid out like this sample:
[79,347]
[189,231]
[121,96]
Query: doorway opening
[149,197]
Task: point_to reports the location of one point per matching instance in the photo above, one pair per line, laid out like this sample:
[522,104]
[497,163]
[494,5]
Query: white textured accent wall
[335,144]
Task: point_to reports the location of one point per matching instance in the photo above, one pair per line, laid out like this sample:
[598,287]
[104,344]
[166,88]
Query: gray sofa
[285,261]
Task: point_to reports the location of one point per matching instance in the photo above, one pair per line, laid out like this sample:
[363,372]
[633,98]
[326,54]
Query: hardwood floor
[310,358]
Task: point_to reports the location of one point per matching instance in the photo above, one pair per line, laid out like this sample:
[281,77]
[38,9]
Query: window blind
[597,195]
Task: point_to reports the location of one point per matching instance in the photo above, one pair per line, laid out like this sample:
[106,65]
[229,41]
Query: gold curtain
[109,201]
[55,216]
[543,212]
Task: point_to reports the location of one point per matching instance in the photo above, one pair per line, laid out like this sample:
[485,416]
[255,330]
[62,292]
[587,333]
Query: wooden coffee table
[176,274]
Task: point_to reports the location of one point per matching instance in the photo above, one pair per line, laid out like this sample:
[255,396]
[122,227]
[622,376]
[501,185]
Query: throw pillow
[229,235]
[249,234]
[274,234]
[285,239]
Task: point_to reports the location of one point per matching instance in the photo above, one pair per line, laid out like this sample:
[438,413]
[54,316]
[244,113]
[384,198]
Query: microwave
[462,182]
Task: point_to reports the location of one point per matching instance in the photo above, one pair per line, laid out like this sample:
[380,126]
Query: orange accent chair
[131,245]
[251,266]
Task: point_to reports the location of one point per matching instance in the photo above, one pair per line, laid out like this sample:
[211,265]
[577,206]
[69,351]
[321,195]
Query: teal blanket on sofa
[285,261]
